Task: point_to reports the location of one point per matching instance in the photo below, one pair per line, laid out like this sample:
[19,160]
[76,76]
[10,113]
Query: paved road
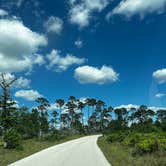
[79,152]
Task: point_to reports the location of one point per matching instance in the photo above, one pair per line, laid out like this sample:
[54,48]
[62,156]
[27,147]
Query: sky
[113,50]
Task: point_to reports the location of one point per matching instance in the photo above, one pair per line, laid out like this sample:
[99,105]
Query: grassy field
[119,155]
[29,147]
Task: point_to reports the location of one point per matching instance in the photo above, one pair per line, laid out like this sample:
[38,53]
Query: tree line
[73,116]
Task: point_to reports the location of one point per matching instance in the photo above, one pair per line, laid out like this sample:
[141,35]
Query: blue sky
[110,50]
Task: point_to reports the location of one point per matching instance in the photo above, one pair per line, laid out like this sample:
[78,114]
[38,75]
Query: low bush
[12,139]
[163,143]
[54,136]
[132,139]
[139,142]
[115,137]
[147,146]
[1,143]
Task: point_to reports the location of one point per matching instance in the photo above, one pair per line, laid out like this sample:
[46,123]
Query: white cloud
[83,99]
[78,43]
[3,13]
[39,60]
[22,83]
[53,107]
[155,109]
[8,77]
[81,12]
[133,106]
[18,46]
[29,95]
[138,7]
[93,75]
[128,107]
[59,63]
[80,16]
[96,4]
[19,3]
[160,95]
[160,76]
[11,3]
[54,25]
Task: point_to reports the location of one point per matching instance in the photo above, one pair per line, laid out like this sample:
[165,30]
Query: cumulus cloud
[83,99]
[19,2]
[20,82]
[129,8]
[18,52]
[39,60]
[81,12]
[128,107]
[3,13]
[54,25]
[160,95]
[133,106]
[53,107]
[59,63]
[78,43]
[160,76]
[29,95]
[93,75]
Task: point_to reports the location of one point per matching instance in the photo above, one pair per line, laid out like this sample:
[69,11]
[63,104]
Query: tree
[143,114]
[65,120]
[106,117]
[90,102]
[92,122]
[161,117]
[43,106]
[7,105]
[121,114]
[81,105]
[54,120]
[99,108]
[71,107]
[60,103]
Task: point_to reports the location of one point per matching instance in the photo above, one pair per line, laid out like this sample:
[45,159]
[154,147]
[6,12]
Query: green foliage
[1,143]
[147,145]
[132,139]
[54,136]
[116,137]
[141,143]
[12,139]
[163,143]
[120,155]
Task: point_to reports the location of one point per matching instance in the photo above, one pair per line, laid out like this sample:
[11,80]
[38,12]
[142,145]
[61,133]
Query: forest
[143,129]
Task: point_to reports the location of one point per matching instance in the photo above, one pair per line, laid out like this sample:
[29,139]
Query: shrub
[132,139]
[163,143]
[12,139]
[115,137]
[54,136]
[147,146]
[1,143]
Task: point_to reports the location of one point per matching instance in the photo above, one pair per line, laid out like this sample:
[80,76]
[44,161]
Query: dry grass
[29,147]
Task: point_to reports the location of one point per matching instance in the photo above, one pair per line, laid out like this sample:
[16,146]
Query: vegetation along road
[79,152]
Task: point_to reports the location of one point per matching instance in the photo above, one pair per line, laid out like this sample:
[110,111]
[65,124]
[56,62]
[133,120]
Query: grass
[119,155]
[29,147]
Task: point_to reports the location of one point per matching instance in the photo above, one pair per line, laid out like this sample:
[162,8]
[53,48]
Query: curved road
[79,152]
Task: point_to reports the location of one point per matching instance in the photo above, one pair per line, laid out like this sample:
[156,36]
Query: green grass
[29,147]
[119,155]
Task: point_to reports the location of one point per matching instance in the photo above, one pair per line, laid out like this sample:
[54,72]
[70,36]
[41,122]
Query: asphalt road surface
[80,152]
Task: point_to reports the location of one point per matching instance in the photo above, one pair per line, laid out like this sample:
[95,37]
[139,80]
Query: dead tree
[6,102]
